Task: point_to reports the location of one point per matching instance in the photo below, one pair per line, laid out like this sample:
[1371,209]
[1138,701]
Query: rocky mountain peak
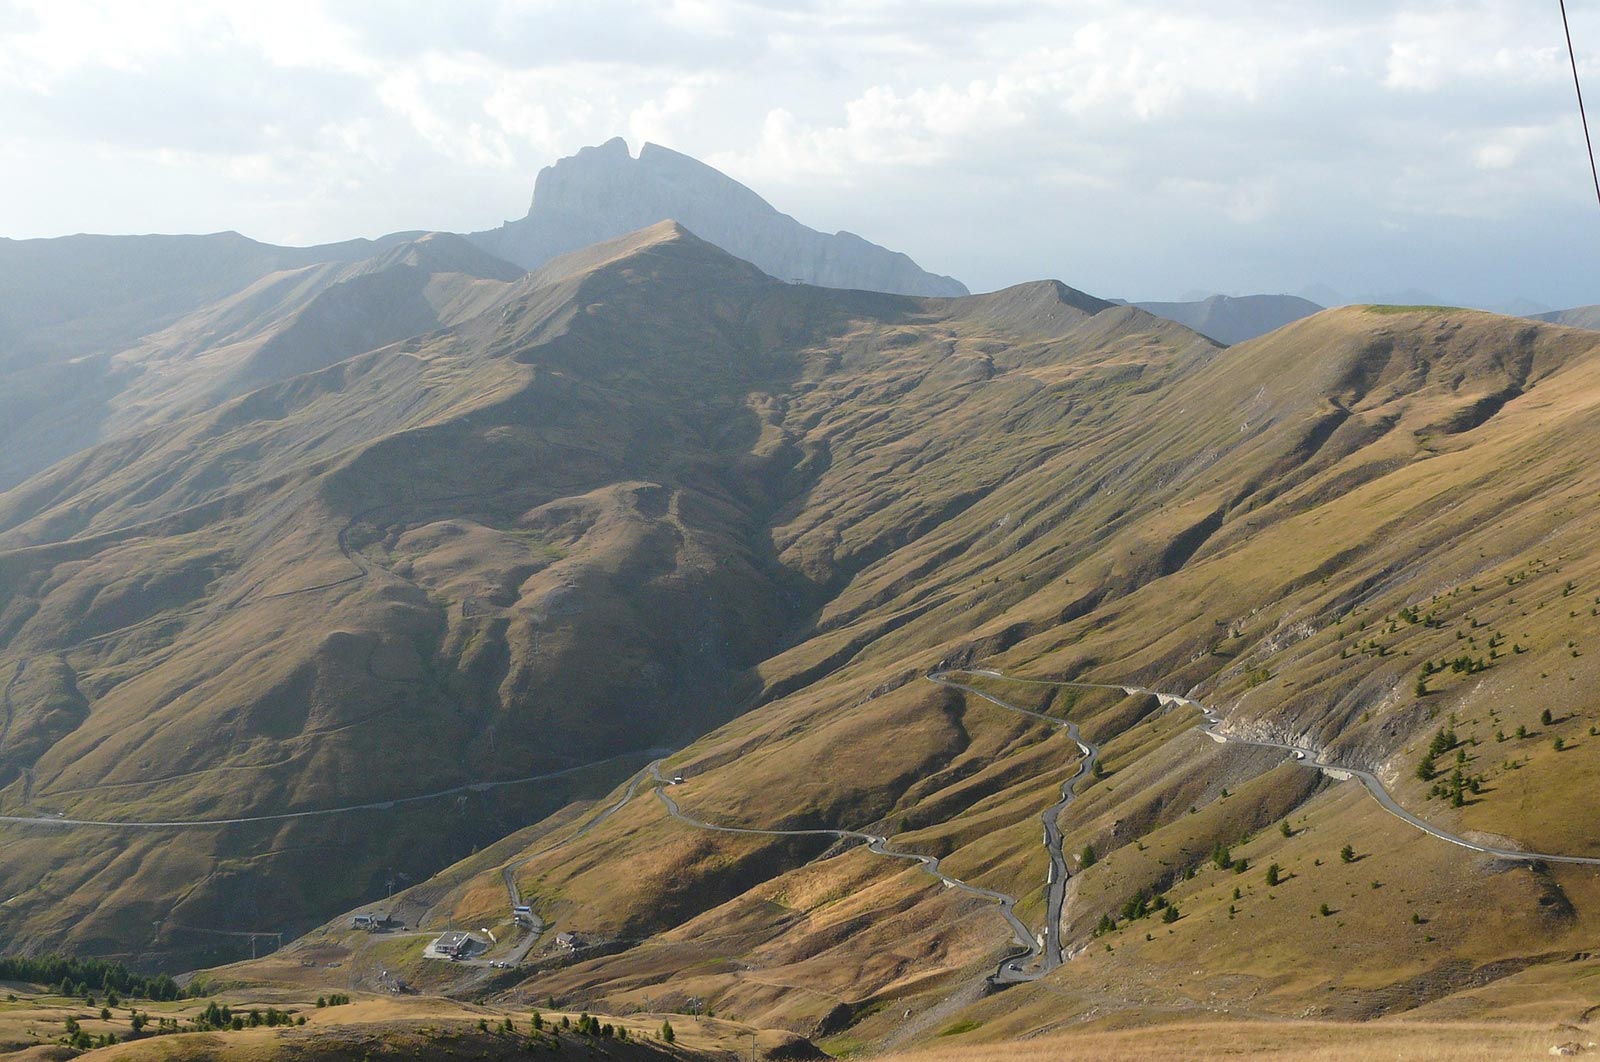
[604,192]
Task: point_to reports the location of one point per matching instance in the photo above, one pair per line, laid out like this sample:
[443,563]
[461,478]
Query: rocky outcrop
[603,192]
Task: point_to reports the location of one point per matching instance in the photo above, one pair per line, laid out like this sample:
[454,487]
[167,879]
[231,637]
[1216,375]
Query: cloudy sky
[1136,148]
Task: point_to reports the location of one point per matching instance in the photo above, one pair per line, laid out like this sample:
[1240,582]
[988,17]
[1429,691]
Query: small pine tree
[1274,874]
[1170,915]
[1088,858]
[1347,854]
[1283,828]
[666,1032]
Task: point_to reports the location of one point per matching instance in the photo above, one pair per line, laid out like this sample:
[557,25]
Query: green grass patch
[1395,309]
[843,1046]
[960,1027]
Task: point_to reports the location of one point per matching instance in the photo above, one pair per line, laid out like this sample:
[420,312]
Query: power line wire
[1577,87]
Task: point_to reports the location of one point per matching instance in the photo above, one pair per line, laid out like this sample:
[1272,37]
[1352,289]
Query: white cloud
[1136,141]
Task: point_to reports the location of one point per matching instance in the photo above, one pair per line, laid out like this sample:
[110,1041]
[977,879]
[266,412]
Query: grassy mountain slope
[1288,529]
[537,540]
[651,497]
[281,312]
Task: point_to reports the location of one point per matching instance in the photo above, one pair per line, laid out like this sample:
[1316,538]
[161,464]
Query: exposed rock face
[603,192]
[1230,319]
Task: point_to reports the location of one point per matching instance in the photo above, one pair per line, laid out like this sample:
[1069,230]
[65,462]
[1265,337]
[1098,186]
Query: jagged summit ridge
[603,192]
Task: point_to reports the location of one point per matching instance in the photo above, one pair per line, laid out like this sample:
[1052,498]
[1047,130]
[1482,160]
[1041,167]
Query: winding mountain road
[1316,760]
[1041,953]
[1050,949]
[508,873]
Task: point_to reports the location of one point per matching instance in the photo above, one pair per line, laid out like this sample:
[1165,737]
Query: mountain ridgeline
[544,539]
[358,573]
[603,192]
[1234,319]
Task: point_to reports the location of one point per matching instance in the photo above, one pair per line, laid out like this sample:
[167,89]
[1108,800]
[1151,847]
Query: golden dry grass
[371,1026]
[1293,1041]
[801,514]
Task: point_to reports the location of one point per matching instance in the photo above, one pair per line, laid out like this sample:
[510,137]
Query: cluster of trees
[83,977]
[213,1019]
[337,999]
[82,1041]
[1140,905]
[589,1025]
[1222,859]
[1459,783]
[1456,787]
[1443,742]
[216,1017]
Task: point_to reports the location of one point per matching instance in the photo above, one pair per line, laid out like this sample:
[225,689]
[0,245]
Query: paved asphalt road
[1316,760]
[508,873]
[1049,952]
[1041,954]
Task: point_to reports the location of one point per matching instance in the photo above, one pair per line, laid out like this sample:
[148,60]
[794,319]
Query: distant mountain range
[603,192]
[1576,317]
[1234,319]
[100,334]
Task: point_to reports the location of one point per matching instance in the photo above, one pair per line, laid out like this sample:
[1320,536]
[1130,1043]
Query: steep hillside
[602,192]
[903,580]
[1359,536]
[126,333]
[75,295]
[539,543]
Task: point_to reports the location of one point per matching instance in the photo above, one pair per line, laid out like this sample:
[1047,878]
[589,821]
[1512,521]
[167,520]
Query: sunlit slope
[1287,529]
